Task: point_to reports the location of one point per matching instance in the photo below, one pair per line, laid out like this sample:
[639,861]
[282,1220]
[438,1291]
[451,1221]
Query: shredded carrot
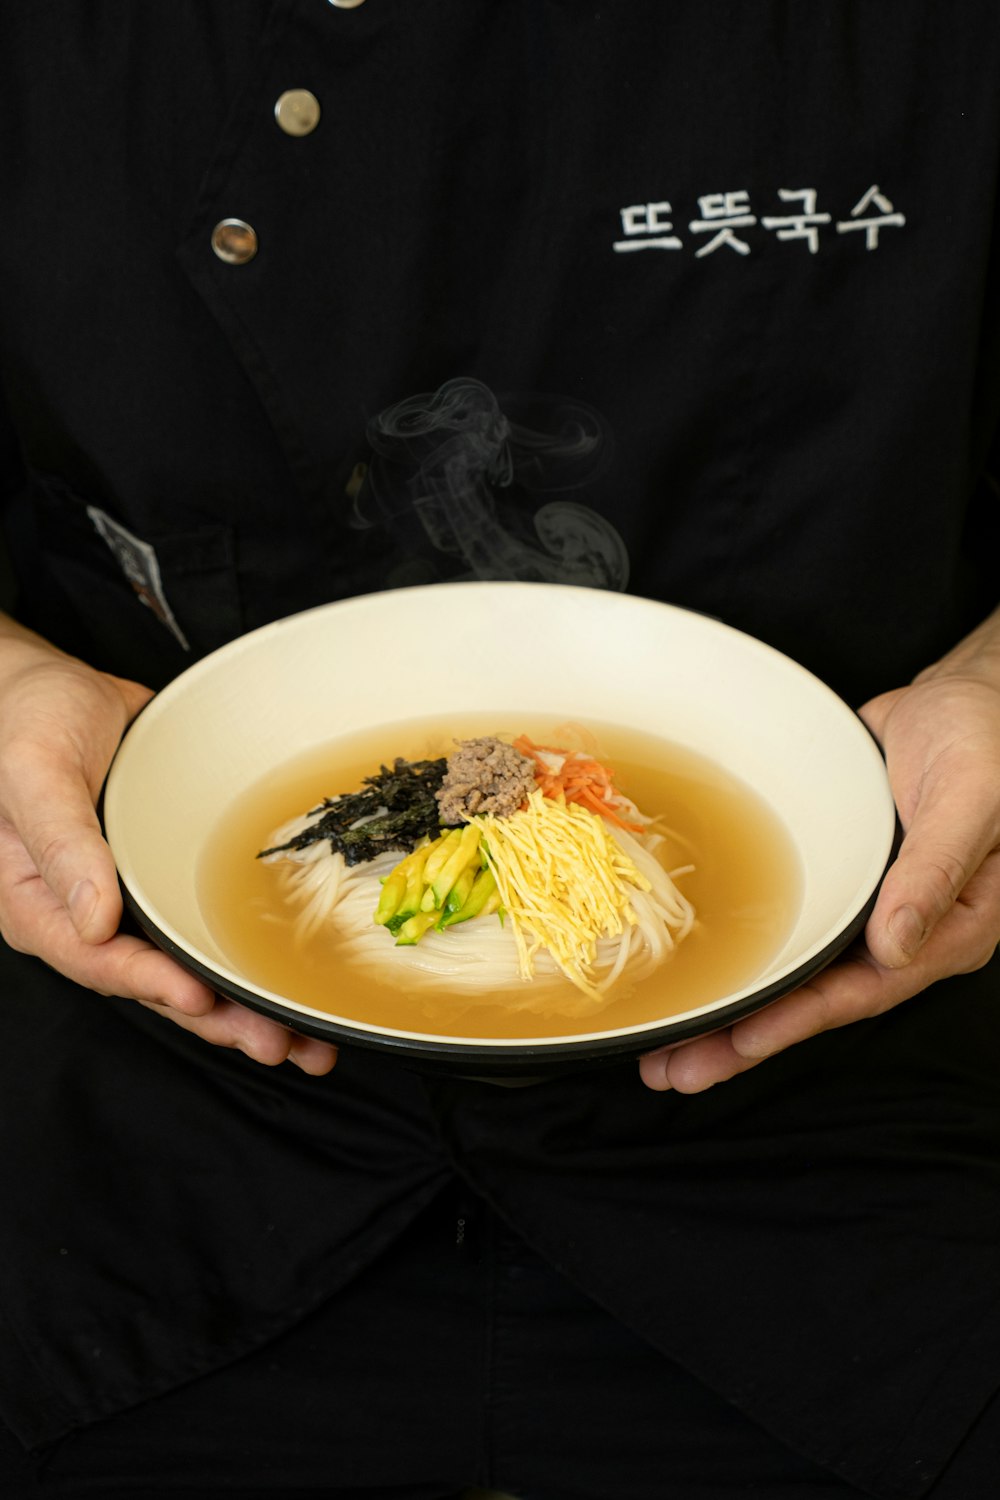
[581,779]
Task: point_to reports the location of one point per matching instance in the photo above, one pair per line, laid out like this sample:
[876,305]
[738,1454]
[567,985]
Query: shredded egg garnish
[564,883]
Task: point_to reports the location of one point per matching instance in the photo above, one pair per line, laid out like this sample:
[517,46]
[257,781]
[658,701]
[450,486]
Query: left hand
[938,911]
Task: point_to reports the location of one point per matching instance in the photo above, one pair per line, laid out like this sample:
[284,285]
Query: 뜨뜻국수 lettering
[727,222]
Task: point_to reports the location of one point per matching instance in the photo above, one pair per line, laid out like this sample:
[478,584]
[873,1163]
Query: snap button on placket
[297,112]
[234,241]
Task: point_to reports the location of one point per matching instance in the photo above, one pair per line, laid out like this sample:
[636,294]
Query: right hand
[60,724]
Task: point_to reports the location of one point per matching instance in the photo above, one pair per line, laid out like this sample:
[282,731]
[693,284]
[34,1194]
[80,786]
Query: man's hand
[60,723]
[938,911]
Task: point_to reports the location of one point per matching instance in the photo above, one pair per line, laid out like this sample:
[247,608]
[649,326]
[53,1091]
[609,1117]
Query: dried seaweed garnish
[400,804]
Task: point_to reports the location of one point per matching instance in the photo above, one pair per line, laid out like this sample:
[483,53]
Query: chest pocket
[142,607]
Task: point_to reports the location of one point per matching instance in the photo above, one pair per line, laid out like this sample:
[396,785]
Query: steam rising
[453,473]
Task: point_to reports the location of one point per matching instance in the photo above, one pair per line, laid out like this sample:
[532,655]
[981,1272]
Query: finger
[35,921]
[833,999]
[693,1066]
[265,1041]
[48,803]
[313,1056]
[850,990]
[132,969]
[853,989]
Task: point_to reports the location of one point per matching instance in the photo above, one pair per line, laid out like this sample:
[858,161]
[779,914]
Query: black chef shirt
[724,279]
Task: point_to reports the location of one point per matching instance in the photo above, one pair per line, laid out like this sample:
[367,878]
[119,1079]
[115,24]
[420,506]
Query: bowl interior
[537,649]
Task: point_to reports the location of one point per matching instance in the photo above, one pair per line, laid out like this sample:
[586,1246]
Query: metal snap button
[347,4]
[234,241]
[297,112]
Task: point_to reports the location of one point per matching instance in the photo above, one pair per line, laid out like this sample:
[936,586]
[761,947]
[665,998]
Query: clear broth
[746,885]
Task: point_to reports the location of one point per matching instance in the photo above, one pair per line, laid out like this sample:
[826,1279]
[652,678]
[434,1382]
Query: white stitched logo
[727,221]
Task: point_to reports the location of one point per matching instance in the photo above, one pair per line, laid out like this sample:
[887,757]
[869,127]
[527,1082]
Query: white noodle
[477,960]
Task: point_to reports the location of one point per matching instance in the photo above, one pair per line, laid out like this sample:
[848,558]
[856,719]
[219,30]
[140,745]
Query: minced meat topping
[485,775]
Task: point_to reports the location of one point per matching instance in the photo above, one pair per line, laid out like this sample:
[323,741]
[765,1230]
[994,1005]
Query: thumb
[51,808]
[946,842]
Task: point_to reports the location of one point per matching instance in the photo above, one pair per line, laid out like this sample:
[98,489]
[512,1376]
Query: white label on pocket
[137,560]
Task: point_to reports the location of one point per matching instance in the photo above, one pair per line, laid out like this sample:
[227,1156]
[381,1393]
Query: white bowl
[545,651]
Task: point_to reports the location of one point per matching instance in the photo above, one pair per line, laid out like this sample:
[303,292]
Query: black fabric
[173,1205]
[834,1213]
[813,1241]
[781,429]
[502,1374]
[793,439]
